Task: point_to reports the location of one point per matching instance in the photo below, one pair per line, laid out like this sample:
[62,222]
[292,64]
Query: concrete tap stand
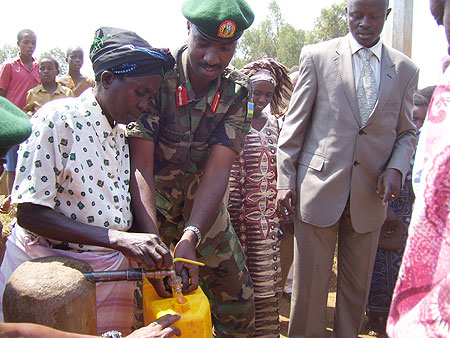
[52,291]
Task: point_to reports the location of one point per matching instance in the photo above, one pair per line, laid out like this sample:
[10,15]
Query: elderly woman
[253,191]
[72,182]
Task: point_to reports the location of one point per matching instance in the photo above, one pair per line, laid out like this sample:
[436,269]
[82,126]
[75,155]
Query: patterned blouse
[76,164]
[252,207]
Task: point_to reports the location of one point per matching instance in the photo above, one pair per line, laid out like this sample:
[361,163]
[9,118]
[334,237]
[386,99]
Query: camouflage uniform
[183,136]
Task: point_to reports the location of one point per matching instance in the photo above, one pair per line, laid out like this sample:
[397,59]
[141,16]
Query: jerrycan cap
[181,304]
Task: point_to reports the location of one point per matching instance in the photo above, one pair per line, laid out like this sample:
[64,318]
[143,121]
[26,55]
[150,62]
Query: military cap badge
[219,20]
[227,29]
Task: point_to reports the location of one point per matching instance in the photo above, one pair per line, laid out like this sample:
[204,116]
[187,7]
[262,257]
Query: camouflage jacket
[183,134]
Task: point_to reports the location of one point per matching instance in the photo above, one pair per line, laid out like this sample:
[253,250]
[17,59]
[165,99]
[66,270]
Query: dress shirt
[375,60]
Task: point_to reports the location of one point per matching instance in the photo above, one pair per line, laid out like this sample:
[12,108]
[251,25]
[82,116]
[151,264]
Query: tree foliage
[59,56]
[272,38]
[291,42]
[331,23]
[8,52]
[280,40]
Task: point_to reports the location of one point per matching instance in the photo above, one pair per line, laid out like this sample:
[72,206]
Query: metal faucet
[137,274]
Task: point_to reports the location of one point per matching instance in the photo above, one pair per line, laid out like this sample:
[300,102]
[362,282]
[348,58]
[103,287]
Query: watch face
[112,334]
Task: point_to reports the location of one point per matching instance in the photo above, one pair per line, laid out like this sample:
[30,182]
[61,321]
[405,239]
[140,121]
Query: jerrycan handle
[185,260]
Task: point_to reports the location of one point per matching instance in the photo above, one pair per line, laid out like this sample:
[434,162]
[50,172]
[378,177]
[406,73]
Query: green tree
[256,44]
[275,16]
[59,56]
[272,38]
[291,42]
[7,52]
[331,23]
[280,40]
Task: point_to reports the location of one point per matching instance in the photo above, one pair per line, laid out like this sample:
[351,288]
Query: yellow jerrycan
[195,313]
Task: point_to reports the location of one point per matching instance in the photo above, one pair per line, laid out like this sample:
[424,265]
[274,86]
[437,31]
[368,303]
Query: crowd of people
[248,171]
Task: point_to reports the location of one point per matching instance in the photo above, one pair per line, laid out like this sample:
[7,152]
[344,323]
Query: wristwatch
[112,334]
[197,233]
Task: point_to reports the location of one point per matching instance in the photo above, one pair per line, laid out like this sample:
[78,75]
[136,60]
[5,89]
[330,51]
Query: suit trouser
[313,259]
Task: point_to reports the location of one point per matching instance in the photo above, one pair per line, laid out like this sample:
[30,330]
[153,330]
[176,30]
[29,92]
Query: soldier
[181,155]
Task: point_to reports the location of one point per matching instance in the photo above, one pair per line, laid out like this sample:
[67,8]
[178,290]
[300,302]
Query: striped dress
[252,211]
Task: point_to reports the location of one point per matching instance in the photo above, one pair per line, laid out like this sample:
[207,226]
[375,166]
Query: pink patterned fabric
[253,215]
[252,207]
[421,301]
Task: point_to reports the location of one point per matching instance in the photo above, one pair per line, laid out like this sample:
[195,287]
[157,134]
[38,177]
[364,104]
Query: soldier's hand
[143,248]
[189,272]
[286,200]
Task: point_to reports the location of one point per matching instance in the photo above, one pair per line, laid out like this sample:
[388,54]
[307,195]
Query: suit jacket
[325,154]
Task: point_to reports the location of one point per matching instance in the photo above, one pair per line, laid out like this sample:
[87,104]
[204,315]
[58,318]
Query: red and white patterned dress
[421,302]
[253,215]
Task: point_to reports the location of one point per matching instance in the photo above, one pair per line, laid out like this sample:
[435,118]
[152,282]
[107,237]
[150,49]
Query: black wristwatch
[112,334]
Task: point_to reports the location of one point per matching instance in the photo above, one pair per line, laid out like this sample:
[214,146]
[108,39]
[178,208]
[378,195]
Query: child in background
[74,79]
[48,89]
[17,76]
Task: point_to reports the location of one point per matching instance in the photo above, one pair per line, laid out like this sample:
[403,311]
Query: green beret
[15,126]
[219,20]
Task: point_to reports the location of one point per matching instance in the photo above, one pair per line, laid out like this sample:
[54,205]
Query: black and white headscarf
[125,53]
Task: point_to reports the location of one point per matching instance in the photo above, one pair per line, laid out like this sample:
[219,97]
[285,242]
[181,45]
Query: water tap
[138,274]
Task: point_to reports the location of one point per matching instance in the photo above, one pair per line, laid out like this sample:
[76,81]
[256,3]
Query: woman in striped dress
[253,191]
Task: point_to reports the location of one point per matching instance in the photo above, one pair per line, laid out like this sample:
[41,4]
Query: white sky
[63,23]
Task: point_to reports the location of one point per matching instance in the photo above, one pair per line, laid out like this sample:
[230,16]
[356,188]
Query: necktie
[367,90]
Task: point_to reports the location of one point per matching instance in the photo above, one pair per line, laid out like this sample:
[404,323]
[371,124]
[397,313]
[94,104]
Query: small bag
[394,240]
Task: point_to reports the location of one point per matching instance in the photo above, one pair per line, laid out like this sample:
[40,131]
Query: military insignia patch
[181,96]
[250,109]
[226,29]
[215,102]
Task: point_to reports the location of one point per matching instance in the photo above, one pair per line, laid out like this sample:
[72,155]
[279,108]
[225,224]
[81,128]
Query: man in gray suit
[343,153]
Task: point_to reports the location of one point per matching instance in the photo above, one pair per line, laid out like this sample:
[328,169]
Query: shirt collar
[35,62]
[95,113]
[41,88]
[191,95]
[355,46]
[59,89]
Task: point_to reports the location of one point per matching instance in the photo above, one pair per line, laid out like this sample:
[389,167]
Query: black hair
[51,59]
[422,97]
[72,48]
[24,32]
[437,8]
[387,3]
